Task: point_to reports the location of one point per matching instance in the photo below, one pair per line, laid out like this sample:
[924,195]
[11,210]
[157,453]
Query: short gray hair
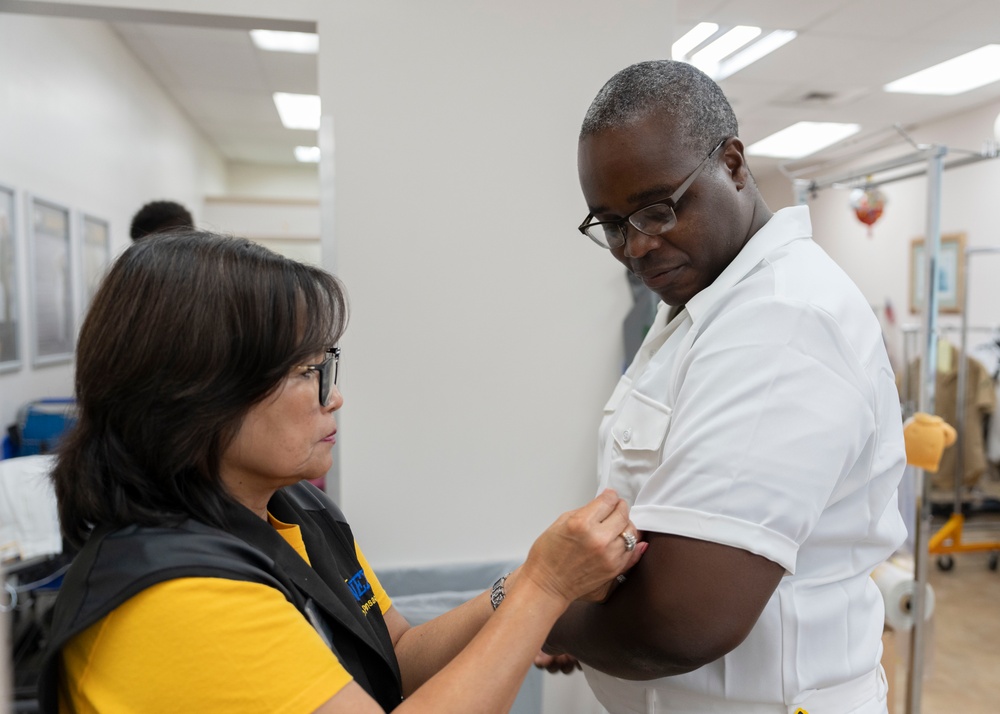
[673,90]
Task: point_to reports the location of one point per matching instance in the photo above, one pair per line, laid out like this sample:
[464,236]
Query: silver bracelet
[498,593]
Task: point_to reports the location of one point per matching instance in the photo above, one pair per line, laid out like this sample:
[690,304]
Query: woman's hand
[582,553]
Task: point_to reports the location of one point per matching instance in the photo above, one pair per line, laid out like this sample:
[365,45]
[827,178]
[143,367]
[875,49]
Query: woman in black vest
[212,576]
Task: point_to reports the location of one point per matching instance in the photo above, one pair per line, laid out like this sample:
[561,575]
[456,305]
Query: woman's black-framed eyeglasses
[327,370]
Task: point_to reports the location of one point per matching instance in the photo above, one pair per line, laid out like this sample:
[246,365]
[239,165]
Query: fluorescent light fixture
[724,46]
[307,154]
[690,40]
[802,139]
[298,111]
[954,76]
[721,53]
[753,52]
[306,43]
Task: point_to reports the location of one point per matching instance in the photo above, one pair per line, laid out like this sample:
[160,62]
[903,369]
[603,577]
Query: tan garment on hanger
[980,400]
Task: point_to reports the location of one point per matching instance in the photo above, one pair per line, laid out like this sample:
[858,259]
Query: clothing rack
[964,348]
[962,370]
[948,539]
[911,331]
[932,157]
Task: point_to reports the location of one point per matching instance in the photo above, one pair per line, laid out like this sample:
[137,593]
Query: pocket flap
[642,423]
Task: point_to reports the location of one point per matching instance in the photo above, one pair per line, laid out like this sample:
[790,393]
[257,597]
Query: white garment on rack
[993,435]
[988,353]
[29,520]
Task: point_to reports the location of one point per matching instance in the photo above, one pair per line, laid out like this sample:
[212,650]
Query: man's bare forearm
[685,604]
[598,637]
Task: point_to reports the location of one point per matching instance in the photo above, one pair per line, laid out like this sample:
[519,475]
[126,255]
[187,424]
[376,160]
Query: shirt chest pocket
[642,423]
[637,436]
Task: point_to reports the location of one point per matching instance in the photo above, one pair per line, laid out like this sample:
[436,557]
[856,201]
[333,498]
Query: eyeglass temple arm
[672,200]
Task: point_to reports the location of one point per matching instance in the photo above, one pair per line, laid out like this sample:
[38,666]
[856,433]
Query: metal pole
[963,376]
[932,249]
[6,683]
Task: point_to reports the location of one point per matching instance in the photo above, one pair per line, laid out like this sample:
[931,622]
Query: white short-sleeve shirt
[765,417]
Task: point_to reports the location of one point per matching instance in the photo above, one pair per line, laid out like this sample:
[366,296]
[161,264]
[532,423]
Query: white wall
[880,263]
[485,334]
[287,226]
[254,180]
[277,206]
[82,124]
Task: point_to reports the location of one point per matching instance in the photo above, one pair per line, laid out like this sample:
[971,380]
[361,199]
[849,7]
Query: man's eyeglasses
[653,220]
[327,370]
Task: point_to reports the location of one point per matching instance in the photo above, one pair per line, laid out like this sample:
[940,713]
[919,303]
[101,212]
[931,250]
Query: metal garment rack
[911,331]
[932,158]
[962,370]
[948,539]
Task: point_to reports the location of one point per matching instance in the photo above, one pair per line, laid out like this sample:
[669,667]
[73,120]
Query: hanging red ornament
[868,204]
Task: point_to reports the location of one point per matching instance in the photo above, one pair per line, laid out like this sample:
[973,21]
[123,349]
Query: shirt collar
[785,226]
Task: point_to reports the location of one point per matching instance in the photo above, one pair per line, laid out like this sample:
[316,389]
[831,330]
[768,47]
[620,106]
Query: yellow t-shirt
[205,645]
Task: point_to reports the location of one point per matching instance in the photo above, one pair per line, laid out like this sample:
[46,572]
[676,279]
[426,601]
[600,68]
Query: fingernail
[643,547]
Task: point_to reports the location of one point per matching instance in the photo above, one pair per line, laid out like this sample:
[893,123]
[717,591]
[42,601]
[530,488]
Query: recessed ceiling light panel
[753,52]
[731,41]
[954,76]
[691,39]
[307,154]
[721,52]
[298,111]
[278,41]
[802,139]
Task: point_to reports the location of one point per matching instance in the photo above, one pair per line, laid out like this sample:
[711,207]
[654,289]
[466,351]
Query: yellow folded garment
[926,437]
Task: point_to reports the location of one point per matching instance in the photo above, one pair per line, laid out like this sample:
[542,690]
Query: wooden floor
[962,657]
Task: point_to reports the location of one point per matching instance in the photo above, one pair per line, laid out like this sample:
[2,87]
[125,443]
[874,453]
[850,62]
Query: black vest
[333,594]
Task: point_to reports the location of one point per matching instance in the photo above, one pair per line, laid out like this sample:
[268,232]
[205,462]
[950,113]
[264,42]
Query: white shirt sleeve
[758,442]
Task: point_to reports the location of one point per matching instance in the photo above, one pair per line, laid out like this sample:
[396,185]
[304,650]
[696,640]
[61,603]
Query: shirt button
[627,435]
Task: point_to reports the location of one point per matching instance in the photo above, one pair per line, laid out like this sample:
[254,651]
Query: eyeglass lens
[652,220]
[328,376]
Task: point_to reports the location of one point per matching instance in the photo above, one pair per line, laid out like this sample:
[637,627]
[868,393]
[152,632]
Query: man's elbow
[667,657]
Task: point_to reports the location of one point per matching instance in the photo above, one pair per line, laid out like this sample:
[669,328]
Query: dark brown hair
[186,333]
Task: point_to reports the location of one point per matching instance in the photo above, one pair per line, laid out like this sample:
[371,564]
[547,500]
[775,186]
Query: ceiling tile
[890,19]
[845,48]
[771,14]
[289,72]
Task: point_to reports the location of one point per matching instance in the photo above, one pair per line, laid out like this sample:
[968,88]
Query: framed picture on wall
[51,281]
[95,254]
[951,274]
[10,334]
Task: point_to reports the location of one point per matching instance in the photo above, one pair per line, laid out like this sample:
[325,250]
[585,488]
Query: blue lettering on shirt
[358,584]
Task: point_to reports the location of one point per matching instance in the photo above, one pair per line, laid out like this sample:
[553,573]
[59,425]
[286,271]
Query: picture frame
[10,289]
[50,258]
[951,274]
[95,255]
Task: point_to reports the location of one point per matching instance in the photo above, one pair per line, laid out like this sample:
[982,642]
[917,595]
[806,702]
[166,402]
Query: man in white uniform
[757,434]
